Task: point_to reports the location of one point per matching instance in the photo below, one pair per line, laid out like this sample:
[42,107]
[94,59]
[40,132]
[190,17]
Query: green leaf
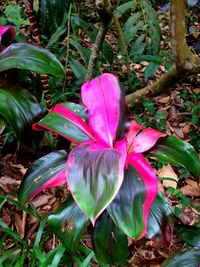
[153,27]
[84,52]
[80,110]
[66,128]
[45,172]
[95,174]
[189,233]
[175,151]
[21,109]
[30,57]
[160,221]
[150,70]
[107,51]
[126,209]
[120,10]
[68,224]
[78,69]
[6,229]
[59,31]
[110,244]
[187,258]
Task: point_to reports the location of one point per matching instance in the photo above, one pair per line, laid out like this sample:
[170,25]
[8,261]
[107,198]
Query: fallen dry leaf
[192,188]
[8,184]
[168,172]
[19,225]
[41,200]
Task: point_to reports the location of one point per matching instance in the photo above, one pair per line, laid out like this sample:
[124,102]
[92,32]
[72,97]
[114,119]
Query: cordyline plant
[111,183]
[18,107]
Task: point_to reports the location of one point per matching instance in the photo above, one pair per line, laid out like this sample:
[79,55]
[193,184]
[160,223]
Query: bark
[186,63]
[105,11]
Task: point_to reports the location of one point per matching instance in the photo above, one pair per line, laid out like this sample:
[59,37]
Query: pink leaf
[133,130]
[105,102]
[149,177]
[7,29]
[146,140]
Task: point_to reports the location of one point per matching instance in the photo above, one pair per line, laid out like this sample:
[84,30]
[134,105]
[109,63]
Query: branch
[186,63]
[95,51]
[105,11]
[162,85]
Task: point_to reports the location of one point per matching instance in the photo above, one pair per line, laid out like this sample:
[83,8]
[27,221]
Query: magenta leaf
[105,102]
[145,140]
[46,172]
[67,123]
[6,33]
[95,174]
[126,209]
[147,173]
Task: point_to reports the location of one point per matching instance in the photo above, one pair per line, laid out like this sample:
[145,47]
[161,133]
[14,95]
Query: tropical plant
[190,256]
[111,184]
[18,107]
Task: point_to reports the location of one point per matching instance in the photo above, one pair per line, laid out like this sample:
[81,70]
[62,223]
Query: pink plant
[96,167]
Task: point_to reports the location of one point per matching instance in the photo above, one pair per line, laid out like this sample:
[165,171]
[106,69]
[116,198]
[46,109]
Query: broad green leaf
[126,209]
[189,233]
[150,70]
[45,172]
[68,224]
[77,109]
[78,69]
[128,37]
[155,59]
[120,10]
[107,51]
[6,229]
[110,244]
[59,31]
[160,221]
[30,57]
[187,258]
[84,52]
[20,109]
[66,123]
[175,151]
[153,28]
[95,174]
[131,21]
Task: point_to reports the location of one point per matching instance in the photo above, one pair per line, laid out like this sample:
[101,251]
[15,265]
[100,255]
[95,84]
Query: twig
[105,11]
[95,52]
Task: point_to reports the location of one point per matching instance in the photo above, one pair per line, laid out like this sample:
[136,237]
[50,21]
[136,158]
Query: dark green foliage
[20,109]
[109,242]
[187,258]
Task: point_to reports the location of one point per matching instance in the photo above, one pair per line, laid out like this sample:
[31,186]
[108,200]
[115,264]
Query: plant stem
[95,51]
[105,11]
